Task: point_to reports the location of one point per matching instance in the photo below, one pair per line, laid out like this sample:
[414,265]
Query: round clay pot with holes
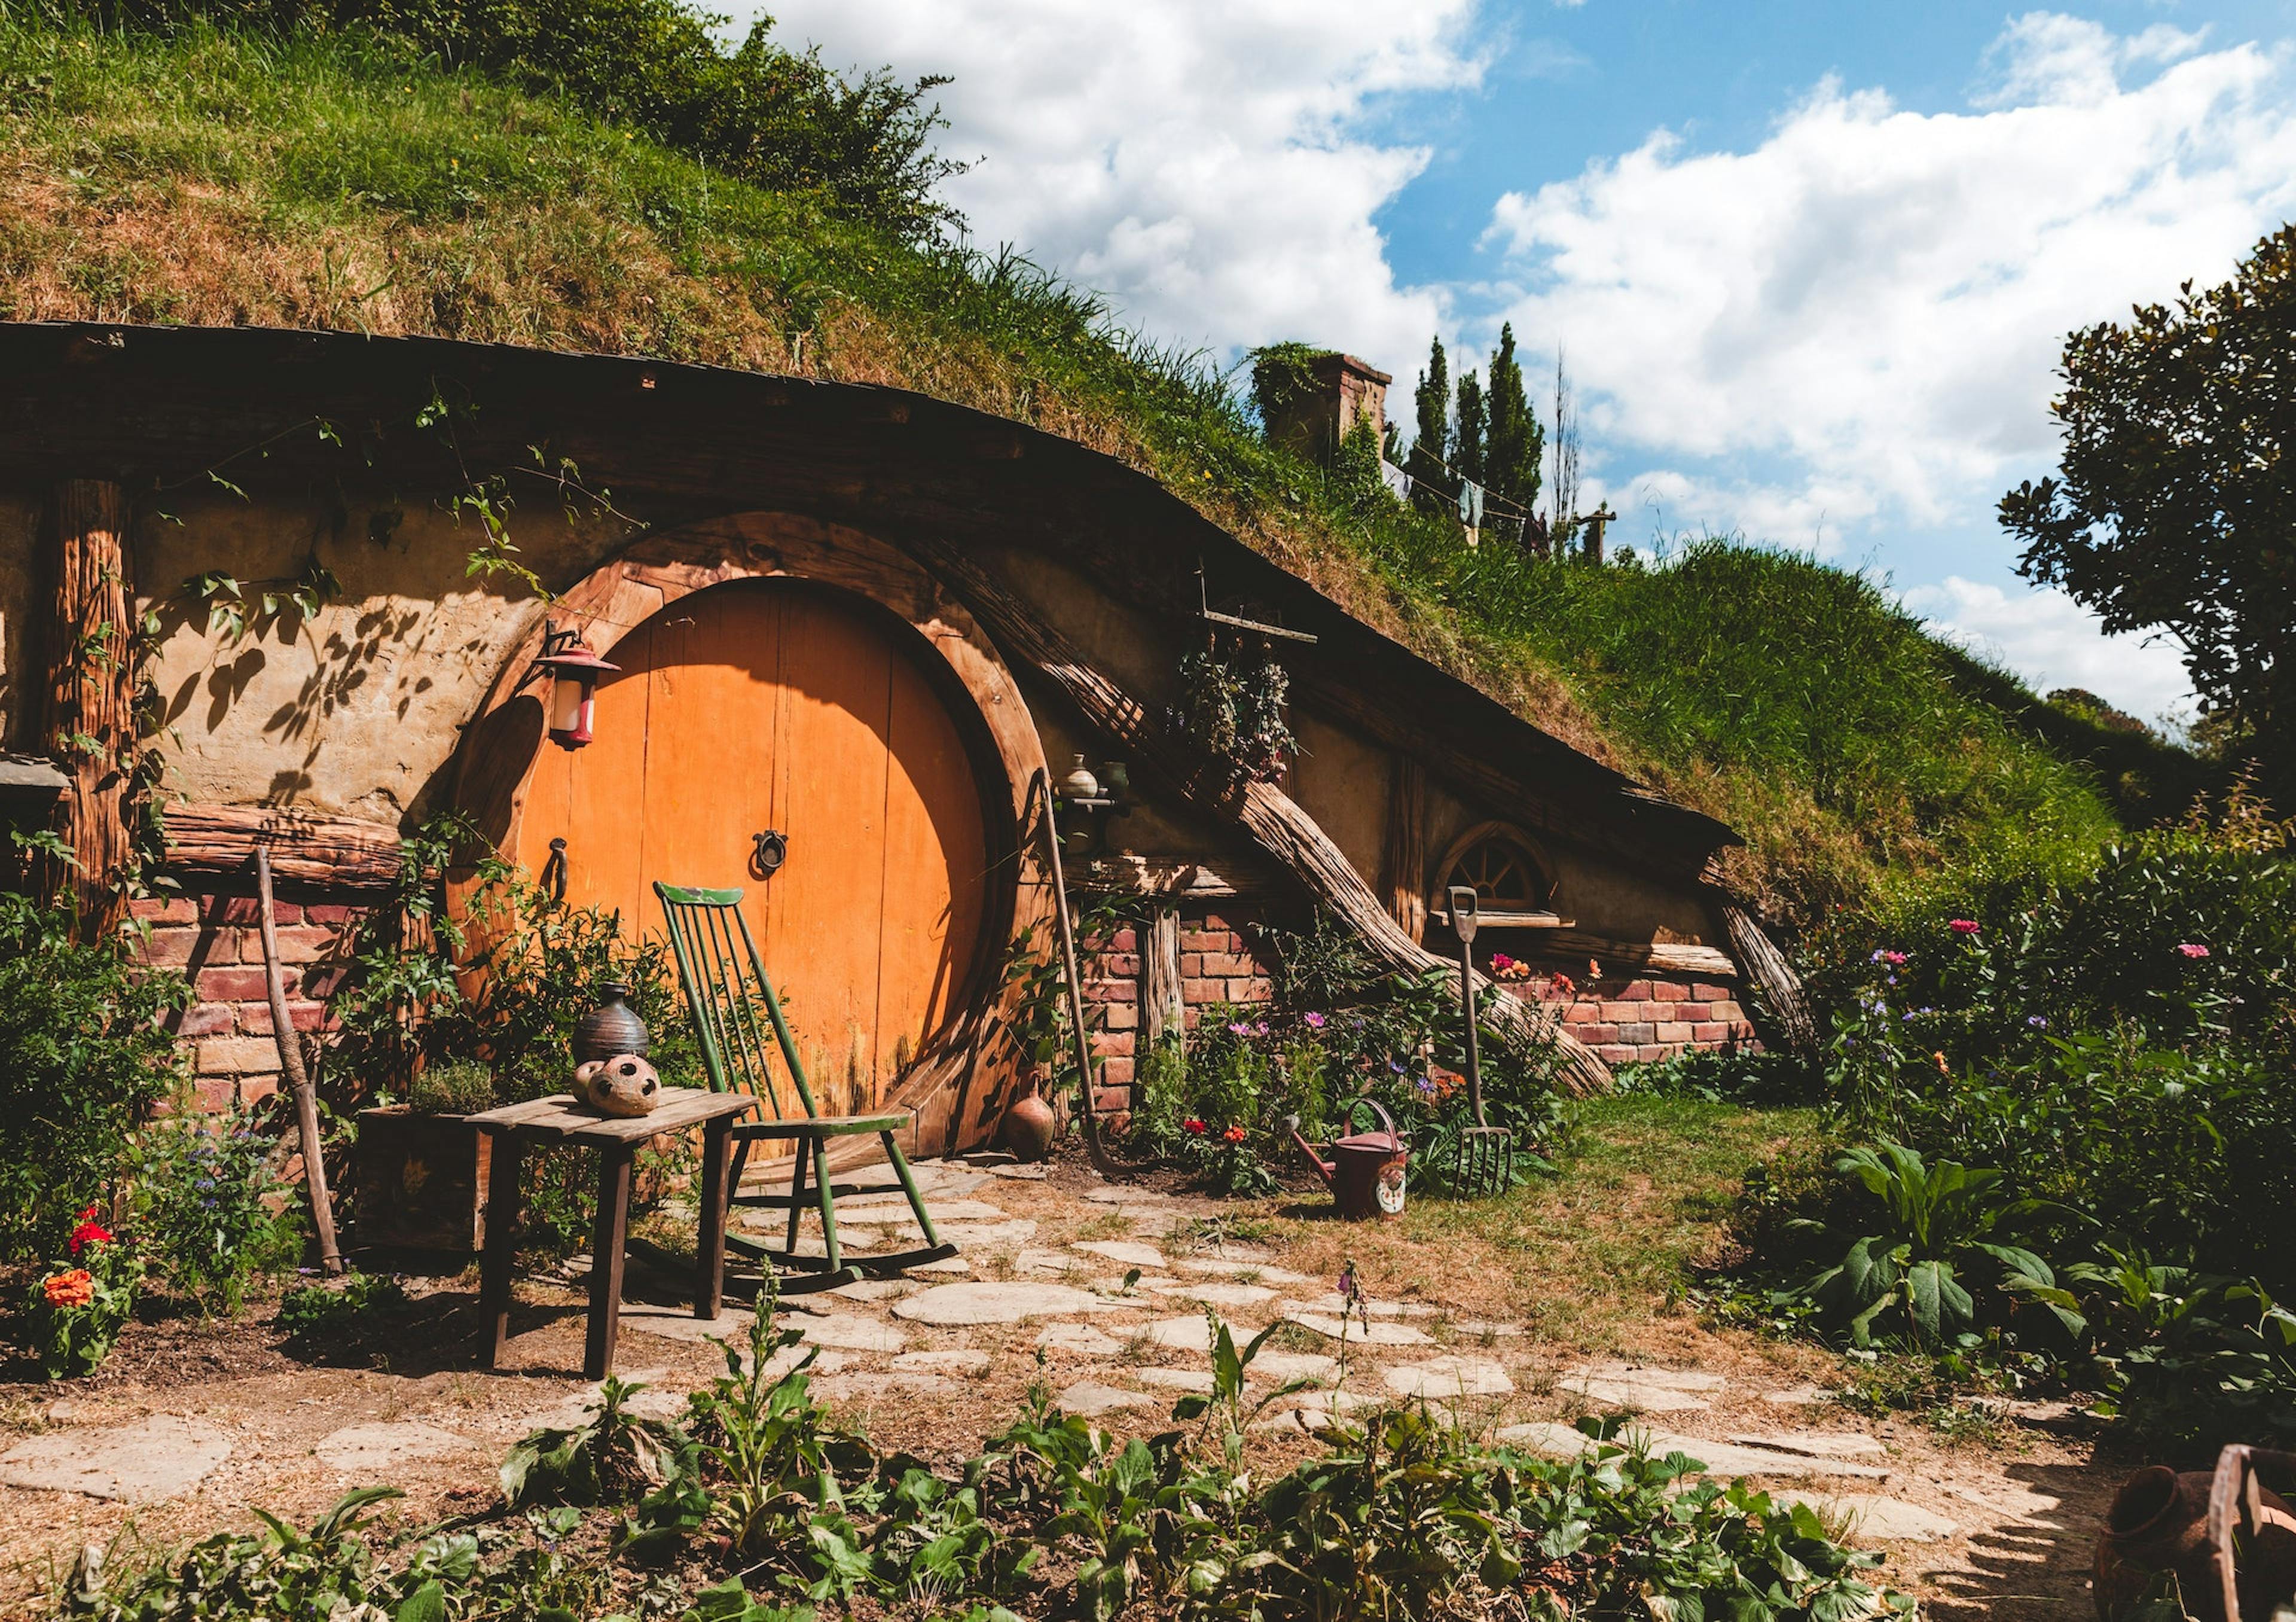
[624,1085]
[2159,1522]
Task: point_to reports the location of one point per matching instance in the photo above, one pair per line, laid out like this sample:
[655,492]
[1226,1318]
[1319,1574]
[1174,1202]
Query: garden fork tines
[1485,1164]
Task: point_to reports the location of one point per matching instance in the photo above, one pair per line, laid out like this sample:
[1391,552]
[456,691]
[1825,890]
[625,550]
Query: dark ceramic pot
[610,1029]
[2159,1522]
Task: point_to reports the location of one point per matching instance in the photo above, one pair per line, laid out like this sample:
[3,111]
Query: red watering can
[1365,1171]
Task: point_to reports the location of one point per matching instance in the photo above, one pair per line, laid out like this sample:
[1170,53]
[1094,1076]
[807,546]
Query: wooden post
[1403,858]
[1596,521]
[1270,818]
[89,719]
[1161,1010]
[299,1079]
[1767,971]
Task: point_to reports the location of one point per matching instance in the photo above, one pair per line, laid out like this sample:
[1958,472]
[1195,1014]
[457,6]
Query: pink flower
[1500,960]
[1316,1022]
[2192,949]
[1236,1027]
[1963,925]
[1195,1127]
[1895,959]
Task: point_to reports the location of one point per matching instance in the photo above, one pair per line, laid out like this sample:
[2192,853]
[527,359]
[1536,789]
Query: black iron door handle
[767,851]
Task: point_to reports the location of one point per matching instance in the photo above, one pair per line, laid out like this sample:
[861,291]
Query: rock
[1047,1261]
[1182,1335]
[1120,1194]
[1379,1332]
[1211,1292]
[1089,1401]
[1286,1366]
[1009,1234]
[1823,1443]
[950,1305]
[897,1215]
[1719,1458]
[1309,1421]
[1479,1329]
[1175,1379]
[1243,1270]
[846,1387]
[1875,1518]
[1634,1386]
[876,1290]
[1079,1339]
[1018,1173]
[1335,1305]
[679,1323]
[1123,1251]
[374,1450]
[1798,1397]
[947,1263]
[852,1334]
[956,1360]
[1448,1378]
[1548,1438]
[137,1461]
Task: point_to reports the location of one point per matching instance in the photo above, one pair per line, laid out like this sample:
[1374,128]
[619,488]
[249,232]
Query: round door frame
[957,1103]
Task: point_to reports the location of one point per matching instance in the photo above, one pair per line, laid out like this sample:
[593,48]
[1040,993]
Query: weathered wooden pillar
[1403,860]
[1160,1007]
[89,715]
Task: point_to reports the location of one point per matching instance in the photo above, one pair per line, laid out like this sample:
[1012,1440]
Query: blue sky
[1811,263]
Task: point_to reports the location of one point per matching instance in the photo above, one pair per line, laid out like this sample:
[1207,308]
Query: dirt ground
[1548,1286]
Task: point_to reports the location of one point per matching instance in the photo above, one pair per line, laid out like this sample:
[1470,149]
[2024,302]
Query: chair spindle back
[725,984]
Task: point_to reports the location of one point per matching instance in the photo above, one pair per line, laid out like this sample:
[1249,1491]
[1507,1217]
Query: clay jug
[1029,1127]
[614,1027]
[2159,1522]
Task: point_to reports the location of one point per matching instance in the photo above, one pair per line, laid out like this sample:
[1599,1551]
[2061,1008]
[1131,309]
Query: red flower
[1961,926]
[1234,1134]
[90,1233]
[1195,1127]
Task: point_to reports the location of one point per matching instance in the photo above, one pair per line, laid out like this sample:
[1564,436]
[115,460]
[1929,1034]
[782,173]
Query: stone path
[1125,1325]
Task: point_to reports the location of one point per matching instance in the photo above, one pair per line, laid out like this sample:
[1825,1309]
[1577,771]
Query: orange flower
[76,1287]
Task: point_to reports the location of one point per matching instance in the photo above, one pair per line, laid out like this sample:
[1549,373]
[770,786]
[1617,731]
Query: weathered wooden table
[560,1119]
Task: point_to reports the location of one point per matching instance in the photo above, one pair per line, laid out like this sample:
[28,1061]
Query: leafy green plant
[323,1310]
[1938,1222]
[83,1059]
[214,1216]
[2191,1361]
[613,1456]
[457,1087]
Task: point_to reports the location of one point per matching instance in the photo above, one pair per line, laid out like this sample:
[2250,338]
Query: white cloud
[1202,164]
[2053,642]
[1867,306]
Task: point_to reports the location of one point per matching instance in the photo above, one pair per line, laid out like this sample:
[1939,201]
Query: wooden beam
[89,717]
[1770,974]
[306,847]
[1161,1009]
[1175,877]
[1403,853]
[1668,957]
[1275,822]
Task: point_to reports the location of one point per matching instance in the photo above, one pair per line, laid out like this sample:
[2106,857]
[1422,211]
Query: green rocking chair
[725,985]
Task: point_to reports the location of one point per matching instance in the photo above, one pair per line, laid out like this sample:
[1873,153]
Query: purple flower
[1395,1065]
[2036,1022]
[1236,1027]
[1314,1021]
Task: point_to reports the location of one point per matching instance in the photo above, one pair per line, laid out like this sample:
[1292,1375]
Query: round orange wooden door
[777,706]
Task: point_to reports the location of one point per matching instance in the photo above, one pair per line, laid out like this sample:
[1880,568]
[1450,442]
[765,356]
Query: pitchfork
[1486,1157]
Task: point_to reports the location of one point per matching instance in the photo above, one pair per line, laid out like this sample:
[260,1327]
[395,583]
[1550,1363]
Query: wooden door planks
[88,719]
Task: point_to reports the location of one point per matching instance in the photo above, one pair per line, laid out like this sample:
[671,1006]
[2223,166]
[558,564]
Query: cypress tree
[1516,443]
[1432,447]
[1467,449]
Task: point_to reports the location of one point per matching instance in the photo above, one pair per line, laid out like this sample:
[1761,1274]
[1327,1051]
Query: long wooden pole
[1273,819]
[299,1080]
[1041,793]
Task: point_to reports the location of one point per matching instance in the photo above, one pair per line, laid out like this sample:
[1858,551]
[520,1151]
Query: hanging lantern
[573,670]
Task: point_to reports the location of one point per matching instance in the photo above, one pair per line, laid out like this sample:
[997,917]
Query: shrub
[321,1310]
[213,1217]
[458,1086]
[82,1060]
[73,1313]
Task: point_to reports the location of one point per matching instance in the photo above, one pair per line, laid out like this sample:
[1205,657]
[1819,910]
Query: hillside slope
[254,177]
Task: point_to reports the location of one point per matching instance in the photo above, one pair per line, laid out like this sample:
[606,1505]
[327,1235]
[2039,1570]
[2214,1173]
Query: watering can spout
[1324,1168]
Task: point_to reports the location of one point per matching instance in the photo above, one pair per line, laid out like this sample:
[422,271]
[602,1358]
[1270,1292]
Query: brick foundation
[1629,1020]
[217,943]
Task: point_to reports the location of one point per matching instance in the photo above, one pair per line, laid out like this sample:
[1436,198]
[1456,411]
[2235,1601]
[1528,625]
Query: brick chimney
[1346,389]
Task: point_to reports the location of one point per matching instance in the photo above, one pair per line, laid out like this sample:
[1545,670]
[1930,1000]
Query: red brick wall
[216,942]
[1218,966]
[1624,1020]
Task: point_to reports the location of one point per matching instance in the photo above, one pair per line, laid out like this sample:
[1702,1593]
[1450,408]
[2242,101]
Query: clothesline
[1471,497]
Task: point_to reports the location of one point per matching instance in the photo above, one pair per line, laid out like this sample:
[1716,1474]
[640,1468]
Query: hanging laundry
[1470,504]
[1398,482]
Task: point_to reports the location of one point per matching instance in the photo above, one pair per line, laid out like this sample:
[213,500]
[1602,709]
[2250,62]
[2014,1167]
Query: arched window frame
[1545,886]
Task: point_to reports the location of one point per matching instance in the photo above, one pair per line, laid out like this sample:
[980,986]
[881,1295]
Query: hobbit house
[859,637]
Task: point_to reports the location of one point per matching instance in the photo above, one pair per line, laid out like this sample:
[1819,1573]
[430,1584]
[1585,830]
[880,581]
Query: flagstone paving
[144,1459]
[1123,1250]
[950,1305]
[369,1450]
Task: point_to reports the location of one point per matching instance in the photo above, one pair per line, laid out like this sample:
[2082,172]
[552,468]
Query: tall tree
[2175,508]
[1516,444]
[1432,398]
[1468,436]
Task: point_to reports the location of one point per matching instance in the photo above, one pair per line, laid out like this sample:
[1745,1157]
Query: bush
[457,1087]
[75,1313]
[212,1216]
[82,1060]
[320,1310]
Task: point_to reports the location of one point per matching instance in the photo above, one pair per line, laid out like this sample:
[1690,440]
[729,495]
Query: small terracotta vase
[612,1028]
[1028,1128]
[2159,1522]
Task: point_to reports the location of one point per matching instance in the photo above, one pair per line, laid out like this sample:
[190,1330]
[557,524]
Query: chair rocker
[725,985]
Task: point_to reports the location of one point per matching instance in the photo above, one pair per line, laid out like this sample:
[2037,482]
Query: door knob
[767,851]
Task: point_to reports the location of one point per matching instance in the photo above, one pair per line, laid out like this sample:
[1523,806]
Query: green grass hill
[598,174]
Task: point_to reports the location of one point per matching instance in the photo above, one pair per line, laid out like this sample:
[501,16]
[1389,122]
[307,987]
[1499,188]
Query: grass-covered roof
[456,176]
